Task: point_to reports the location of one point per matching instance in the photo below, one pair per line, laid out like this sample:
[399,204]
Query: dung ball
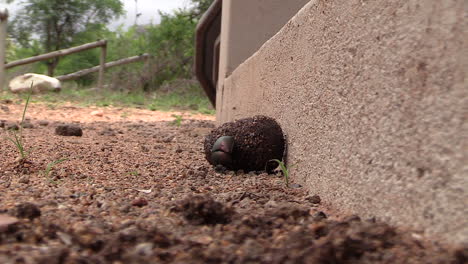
[247,144]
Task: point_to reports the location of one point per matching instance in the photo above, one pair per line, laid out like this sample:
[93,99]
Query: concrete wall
[373,98]
[247,24]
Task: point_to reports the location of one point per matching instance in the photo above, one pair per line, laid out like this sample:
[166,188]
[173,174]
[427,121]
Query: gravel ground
[135,188]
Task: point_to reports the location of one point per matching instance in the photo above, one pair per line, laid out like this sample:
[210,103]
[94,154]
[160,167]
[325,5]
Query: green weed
[284,170]
[177,120]
[133,173]
[17,138]
[125,114]
[187,98]
[51,165]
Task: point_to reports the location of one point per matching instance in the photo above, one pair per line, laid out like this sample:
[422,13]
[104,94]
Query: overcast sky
[147,8]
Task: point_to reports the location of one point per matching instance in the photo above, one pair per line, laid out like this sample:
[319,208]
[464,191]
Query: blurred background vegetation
[163,82]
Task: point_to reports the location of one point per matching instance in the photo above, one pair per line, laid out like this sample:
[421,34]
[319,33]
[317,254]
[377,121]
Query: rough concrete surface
[247,24]
[374,101]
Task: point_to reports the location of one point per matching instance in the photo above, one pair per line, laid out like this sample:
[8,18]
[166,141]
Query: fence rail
[78,74]
[58,53]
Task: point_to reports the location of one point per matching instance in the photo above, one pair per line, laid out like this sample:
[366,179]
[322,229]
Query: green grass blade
[284,170]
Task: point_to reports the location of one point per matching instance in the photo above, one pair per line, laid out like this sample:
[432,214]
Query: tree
[199,7]
[56,22]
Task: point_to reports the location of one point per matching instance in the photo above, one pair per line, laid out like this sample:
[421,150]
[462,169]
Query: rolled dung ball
[247,144]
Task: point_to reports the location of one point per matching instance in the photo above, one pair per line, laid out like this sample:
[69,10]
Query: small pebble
[319,216]
[295,186]
[24,179]
[43,123]
[5,108]
[12,126]
[315,199]
[144,249]
[27,124]
[140,202]
[6,220]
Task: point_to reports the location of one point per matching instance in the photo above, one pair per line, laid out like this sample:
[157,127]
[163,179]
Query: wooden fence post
[102,66]
[3,38]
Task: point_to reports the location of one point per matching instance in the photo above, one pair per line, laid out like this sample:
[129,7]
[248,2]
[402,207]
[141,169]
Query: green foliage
[170,42]
[182,96]
[177,120]
[51,165]
[57,24]
[17,138]
[284,170]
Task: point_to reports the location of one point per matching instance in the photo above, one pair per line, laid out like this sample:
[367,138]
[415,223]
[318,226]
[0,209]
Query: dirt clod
[203,210]
[27,210]
[43,122]
[11,126]
[69,130]
[140,202]
[27,124]
[315,199]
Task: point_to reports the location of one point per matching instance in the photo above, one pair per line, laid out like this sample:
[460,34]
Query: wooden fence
[59,53]
[3,35]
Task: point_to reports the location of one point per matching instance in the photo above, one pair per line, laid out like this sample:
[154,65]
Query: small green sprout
[51,165]
[133,173]
[125,114]
[17,138]
[284,170]
[177,121]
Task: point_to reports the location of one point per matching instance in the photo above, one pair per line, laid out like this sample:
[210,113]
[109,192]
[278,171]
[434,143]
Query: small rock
[315,199]
[27,210]
[144,148]
[43,123]
[204,210]
[5,108]
[69,130]
[319,216]
[11,126]
[239,172]
[24,179]
[144,249]
[107,132]
[271,204]
[295,186]
[202,239]
[66,238]
[167,139]
[27,124]
[140,202]
[6,220]
[2,123]
[97,113]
